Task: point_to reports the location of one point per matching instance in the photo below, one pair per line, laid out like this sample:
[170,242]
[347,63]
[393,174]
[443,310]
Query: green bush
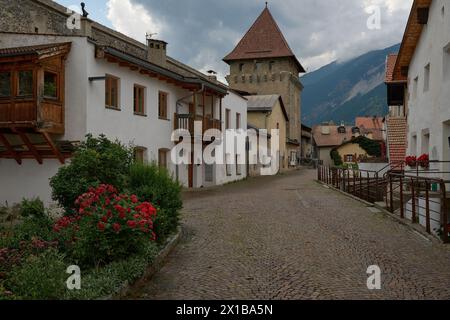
[108,280]
[41,277]
[32,208]
[27,230]
[336,157]
[96,161]
[154,184]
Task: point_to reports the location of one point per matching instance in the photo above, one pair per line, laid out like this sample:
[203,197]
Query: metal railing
[421,199]
[364,184]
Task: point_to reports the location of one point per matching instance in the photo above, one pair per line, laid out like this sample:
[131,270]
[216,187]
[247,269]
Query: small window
[162,158]
[415,87]
[349,158]
[227,119]
[258,66]
[25,85]
[162,105]
[5,84]
[139,100]
[241,67]
[112,92]
[271,65]
[238,121]
[140,155]
[50,85]
[426,82]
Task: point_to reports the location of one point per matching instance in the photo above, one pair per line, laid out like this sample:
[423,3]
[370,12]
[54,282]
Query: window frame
[238,121]
[142,90]
[11,80]
[17,85]
[227,119]
[108,92]
[57,82]
[162,158]
[163,115]
[142,151]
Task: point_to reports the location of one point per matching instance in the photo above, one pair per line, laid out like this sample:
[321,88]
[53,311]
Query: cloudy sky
[201,32]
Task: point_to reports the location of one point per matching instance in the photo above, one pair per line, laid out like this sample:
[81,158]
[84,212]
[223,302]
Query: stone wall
[273,76]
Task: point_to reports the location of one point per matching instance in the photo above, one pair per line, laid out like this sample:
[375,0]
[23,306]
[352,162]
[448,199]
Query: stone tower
[262,64]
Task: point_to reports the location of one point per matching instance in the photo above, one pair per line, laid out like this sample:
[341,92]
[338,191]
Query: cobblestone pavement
[287,237]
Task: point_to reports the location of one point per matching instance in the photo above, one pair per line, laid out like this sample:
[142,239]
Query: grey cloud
[202,32]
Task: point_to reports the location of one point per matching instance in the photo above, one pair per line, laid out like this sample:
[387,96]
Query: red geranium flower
[101,226]
[131,224]
[116,227]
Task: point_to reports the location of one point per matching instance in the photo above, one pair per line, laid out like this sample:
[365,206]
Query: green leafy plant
[96,161]
[336,157]
[32,208]
[40,277]
[373,148]
[154,184]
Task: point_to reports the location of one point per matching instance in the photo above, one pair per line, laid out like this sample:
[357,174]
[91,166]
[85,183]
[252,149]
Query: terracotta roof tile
[263,40]
[390,65]
[33,50]
[373,125]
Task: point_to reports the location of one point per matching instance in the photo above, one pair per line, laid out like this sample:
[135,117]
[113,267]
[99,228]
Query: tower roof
[263,40]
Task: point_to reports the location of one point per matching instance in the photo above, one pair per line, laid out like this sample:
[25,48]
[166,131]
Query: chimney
[212,75]
[157,53]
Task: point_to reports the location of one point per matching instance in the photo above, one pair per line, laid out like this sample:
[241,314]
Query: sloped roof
[44,50]
[410,40]
[390,65]
[265,103]
[373,125]
[334,138]
[263,40]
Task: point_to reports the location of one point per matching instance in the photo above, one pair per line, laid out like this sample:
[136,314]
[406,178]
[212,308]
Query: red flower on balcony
[411,161]
[424,161]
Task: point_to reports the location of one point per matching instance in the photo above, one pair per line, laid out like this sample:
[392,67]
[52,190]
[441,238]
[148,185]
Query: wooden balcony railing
[186,122]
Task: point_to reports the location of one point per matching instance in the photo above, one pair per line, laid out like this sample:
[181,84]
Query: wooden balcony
[32,88]
[186,122]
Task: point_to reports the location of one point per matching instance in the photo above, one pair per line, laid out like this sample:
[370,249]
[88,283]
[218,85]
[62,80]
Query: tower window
[241,67]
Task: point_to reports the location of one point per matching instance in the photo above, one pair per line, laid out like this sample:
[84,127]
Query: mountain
[344,91]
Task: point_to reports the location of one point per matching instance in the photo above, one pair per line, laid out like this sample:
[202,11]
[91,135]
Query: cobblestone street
[287,237]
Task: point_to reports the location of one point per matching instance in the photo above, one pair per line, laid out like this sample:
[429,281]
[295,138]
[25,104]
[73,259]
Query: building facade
[263,64]
[57,85]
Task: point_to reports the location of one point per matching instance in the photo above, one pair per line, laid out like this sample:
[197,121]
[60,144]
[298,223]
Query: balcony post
[413,194]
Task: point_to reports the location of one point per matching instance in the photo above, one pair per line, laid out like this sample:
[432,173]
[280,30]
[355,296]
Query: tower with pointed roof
[263,64]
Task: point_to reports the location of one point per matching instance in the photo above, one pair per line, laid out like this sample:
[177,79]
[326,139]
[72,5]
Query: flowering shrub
[107,227]
[411,161]
[424,161]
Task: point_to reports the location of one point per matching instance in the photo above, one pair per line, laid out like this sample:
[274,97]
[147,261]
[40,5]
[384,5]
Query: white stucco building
[107,84]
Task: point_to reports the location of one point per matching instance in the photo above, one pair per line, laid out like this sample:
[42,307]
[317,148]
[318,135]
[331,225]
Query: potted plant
[411,161]
[424,161]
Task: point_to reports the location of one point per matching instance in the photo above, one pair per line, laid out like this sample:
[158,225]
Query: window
[139,100]
[415,87]
[238,121]
[162,158]
[162,105]
[25,83]
[241,67]
[446,63]
[227,119]
[140,154]
[349,158]
[426,141]
[112,92]
[258,66]
[50,85]
[5,84]
[414,144]
[426,81]
[271,65]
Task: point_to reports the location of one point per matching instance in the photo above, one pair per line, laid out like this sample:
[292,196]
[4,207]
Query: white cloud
[133,19]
